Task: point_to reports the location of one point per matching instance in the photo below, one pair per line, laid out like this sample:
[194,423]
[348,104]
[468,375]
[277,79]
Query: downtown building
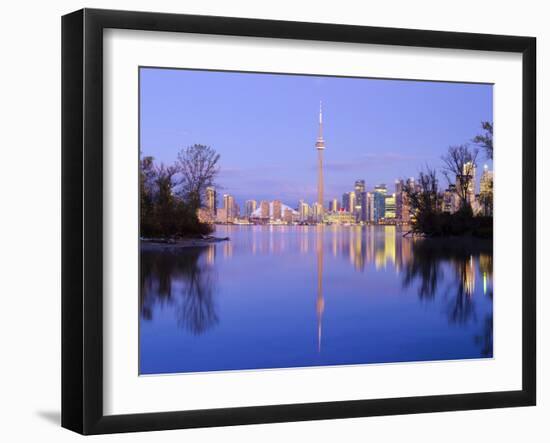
[274,212]
[207,212]
[250,207]
[304,212]
[228,212]
[360,208]
[379,203]
[486,192]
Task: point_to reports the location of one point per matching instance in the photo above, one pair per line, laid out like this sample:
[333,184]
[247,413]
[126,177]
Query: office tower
[317,212]
[229,207]
[352,202]
[406,209]
[468,177]
[221,215]
[486,191]
[287,215]
[399,197]
[345,201]
[250,207]
[379,202]
[277,210]
[303,209]
[210,197]
[399,185]
[360,207]
[359,186]
[486,181]
[320,146]
[448,197]
[264,209]
[370,207]
[334,205]
[451,199]
[389,207]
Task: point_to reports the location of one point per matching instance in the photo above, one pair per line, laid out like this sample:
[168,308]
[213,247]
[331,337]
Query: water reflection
[370,276]
[456,259]
[320,304]
[485,338]
[185,282]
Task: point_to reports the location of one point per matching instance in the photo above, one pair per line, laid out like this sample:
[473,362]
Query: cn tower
[320,145]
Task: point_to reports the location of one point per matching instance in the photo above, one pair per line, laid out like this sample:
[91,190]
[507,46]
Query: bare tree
[165,182]
[485,140]
[198,165]
[147,194]
[459,164]
[422,195]
[422,198]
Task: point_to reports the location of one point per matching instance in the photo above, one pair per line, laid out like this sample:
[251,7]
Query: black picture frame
[82,218]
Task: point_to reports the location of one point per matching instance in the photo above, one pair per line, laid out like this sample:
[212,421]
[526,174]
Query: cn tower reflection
[320,303]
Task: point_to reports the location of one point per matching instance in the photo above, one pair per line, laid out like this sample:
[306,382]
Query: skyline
[277,158]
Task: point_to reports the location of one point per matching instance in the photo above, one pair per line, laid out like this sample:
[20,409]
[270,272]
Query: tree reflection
[485,339]
[183,279]
[425,266]
[432,259]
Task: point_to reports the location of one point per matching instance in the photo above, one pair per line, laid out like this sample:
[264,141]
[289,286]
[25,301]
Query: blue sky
[265,126]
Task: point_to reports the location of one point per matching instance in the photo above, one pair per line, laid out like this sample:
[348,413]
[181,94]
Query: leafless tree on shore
[198,166]
[459,164]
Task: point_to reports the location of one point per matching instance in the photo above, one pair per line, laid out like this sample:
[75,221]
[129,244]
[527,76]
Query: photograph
[291,221]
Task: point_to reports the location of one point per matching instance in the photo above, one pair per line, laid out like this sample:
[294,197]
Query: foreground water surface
[294,296]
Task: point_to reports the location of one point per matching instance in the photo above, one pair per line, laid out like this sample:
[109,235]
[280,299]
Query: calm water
[291,296]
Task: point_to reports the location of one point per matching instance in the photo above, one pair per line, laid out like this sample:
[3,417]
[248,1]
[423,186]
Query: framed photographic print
[270,221]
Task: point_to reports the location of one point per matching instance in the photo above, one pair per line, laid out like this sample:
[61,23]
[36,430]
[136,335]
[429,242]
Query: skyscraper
[389,207]
[229,207]
[250,207]
[359,185]
[399,191]
[352,202]
[320,145]
[288,217]
[317,212]
[486,191]
[277,210]
[468,178]
[360,201]
[379,202]
[264,209]
[304,211]
[211,199]
[486,181]
[345,201]
[370,206]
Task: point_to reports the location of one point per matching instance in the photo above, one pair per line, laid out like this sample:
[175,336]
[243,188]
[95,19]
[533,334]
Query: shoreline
[156,244]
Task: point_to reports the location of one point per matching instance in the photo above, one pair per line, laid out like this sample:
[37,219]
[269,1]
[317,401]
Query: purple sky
[265,127]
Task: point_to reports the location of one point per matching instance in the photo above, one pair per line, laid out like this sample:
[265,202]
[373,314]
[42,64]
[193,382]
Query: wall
[30,218]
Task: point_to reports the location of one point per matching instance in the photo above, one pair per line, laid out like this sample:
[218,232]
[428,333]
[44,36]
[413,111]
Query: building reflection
[304,239]
[320,301]
[380,246]
[210,255]
[459,260]
[451,270]
[486,270]
[467,273]
[227,249]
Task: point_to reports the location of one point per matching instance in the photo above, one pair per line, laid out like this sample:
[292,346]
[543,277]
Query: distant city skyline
[265,127]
